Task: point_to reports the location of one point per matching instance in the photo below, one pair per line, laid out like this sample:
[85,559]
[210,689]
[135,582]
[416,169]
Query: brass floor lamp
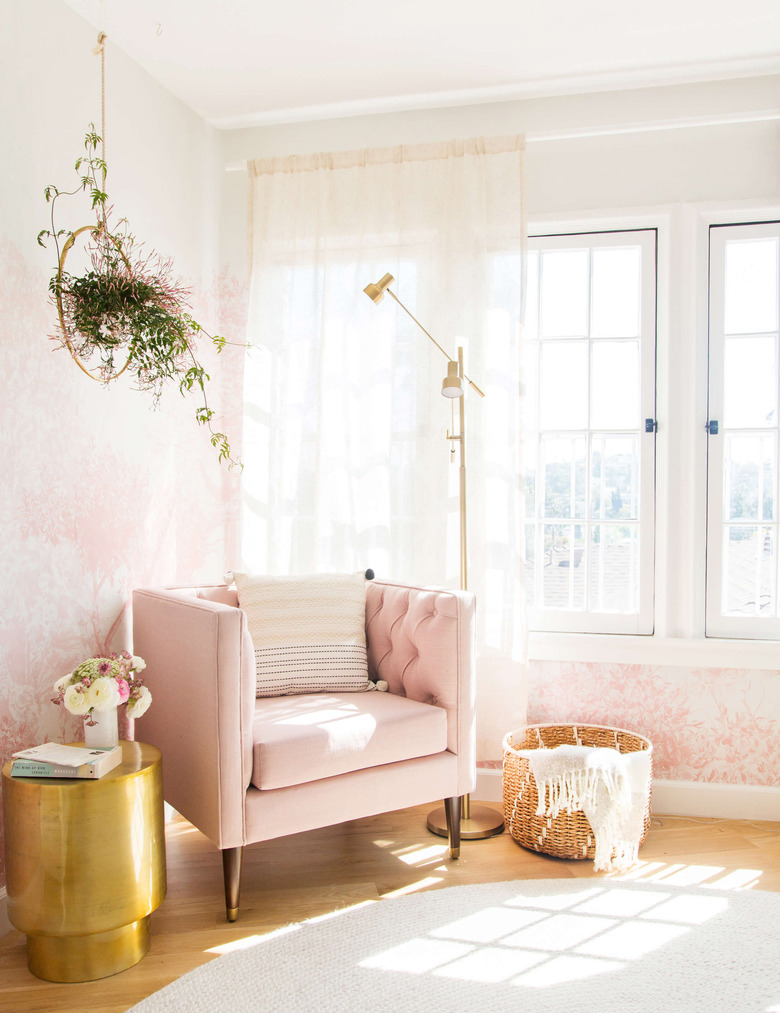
[476,821]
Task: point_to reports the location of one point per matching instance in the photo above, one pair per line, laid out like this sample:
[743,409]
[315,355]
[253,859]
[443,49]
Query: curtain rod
[580,133]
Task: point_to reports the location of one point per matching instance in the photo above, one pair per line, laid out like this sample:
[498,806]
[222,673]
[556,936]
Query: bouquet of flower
[103,682]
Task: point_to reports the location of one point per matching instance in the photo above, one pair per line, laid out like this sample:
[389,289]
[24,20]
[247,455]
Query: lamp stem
[464,572]
[482,821]
[408,313]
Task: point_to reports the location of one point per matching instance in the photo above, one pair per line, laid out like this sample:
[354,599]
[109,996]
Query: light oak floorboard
[311,874]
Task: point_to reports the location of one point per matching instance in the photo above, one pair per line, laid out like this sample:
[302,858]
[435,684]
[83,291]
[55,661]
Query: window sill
[706,652]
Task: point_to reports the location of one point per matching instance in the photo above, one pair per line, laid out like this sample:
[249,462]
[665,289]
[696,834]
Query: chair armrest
[200,673]
[421,642]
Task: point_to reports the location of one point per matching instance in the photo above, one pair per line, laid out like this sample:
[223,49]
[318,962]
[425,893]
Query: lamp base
[477,823]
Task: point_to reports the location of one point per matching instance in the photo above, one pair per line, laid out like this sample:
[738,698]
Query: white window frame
[718,625]
[681,446]
[642,621]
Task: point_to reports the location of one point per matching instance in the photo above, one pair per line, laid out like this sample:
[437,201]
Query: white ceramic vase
[105,731]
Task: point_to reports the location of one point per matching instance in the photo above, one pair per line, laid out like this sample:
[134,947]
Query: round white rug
[536,946]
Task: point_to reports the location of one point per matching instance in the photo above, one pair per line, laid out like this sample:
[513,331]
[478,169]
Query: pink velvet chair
[244,770]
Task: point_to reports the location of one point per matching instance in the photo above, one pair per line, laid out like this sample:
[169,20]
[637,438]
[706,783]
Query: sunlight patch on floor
[422,856]
[421,884]
[694,875]
[246,941]
[537,942]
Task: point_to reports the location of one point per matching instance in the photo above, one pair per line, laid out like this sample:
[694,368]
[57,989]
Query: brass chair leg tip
[454,852]
[232,914]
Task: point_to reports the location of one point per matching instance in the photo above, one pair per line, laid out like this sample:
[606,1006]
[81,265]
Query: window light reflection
[538,942]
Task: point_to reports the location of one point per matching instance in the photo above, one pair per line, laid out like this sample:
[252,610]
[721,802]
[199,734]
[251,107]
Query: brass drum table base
[85,865]
[84,958]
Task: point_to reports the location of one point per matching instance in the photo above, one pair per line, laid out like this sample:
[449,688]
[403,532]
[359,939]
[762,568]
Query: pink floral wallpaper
[706,724]
[101,493]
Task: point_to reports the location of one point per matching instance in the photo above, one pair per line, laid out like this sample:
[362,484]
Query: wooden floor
[310,874]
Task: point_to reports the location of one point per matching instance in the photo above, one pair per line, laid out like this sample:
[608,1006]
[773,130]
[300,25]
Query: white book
[52,759]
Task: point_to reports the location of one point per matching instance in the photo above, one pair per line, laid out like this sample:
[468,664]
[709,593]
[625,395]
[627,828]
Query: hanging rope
[100,49]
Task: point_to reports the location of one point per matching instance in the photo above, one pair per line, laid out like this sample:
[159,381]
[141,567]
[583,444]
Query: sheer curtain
[347,464]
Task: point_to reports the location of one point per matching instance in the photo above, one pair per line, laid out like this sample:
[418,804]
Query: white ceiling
[246,62]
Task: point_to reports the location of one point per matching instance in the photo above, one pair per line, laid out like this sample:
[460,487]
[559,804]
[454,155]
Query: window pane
[563,394]
[614,568]
[749,569]
[563,461]
[564,576]
[749,475]
[564,292]
[614,490]
[593,361]
[751,286]
[616,288]
[750,383]
[615,385]
[744,470]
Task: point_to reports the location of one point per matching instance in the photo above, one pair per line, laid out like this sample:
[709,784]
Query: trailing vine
[126,311]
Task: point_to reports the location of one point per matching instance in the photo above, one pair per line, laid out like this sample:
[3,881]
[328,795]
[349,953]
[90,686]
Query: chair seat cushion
[304,738]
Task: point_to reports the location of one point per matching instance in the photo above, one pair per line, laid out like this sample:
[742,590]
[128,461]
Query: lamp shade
[451,385]
[376,292]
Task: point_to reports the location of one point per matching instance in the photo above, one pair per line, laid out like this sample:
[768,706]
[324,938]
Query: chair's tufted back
[420,641]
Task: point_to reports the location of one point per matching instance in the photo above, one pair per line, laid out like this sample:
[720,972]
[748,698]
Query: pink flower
[124,689]
[104,667]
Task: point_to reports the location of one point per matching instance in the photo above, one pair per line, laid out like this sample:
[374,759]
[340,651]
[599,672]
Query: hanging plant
[126,311]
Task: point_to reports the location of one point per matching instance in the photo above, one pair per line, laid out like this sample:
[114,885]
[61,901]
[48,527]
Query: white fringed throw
[609,787]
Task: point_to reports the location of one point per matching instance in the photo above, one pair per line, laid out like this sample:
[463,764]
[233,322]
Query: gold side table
[85,865]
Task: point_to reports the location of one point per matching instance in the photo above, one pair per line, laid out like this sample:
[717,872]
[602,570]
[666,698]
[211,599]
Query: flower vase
[105,731]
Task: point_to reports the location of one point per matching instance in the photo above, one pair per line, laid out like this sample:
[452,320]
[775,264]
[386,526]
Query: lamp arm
[443,352]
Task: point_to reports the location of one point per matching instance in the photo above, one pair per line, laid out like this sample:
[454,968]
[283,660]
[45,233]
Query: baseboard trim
[5,925]
[721,801]
[680,798]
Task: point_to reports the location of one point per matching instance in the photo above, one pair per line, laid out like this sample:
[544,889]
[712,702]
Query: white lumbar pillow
[309,632]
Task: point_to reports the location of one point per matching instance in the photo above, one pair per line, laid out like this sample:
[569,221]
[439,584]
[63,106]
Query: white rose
[63,682]
[138,663]
[75,701]
[102,694]
[139,707]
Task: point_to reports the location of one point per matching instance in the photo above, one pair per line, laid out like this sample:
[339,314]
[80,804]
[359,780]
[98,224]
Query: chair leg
[452,812]
[231,867]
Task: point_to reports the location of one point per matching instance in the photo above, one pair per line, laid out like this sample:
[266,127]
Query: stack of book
[54,760]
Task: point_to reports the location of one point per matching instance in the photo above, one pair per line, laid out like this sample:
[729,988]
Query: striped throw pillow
[309,632]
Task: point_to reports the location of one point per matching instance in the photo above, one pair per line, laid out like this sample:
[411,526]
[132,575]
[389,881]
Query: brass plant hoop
[60,311]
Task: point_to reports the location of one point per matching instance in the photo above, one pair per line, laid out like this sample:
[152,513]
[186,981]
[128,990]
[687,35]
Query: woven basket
[568,835]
